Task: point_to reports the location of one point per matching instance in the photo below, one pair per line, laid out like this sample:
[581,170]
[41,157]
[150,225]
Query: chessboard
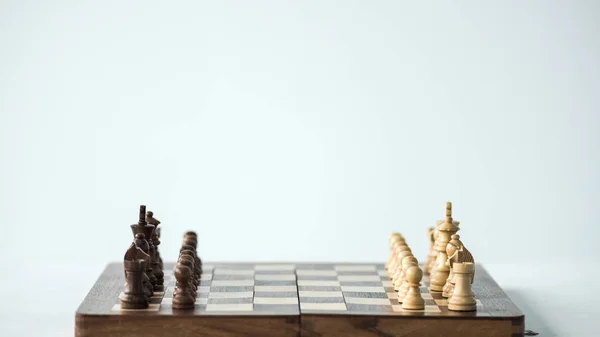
[294,299]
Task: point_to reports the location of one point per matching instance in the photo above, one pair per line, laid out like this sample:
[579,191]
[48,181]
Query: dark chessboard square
[219,289]
[201,295]
[241,300]
[364,294]
[369,308]
[361,284]
[232,277]
[321,299]
[274,283]
[316,278]
[291,309]
[430,302]
[319,288]
[275,294]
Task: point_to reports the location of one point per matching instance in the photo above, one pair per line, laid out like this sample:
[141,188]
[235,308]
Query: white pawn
[413,299]
[398,276]
[462,298]
[407,262]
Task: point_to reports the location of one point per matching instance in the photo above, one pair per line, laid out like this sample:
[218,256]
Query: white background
[299,130]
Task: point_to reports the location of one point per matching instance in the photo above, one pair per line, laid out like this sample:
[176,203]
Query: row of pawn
[403,268]
[188,272]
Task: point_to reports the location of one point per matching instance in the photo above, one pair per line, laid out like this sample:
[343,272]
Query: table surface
[552,304]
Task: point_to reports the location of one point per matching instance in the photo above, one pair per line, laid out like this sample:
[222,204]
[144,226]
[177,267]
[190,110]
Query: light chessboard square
[318,283]
[382,273]
[275,277]
[355,268]
[275,288]
[231,294]
[311,272]
[323,306]
[225,271]
[283,267]
[275,300]
[359,289]
[232,283]
[320,294]
[151,307]
[359,278]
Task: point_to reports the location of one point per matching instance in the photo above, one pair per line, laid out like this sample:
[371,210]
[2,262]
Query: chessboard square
[382,273]
[365,294]
[275,294]
[207,277]
[355,268]
[369,308]
[218,289]
[358,273]
[360,289]
[314,266]
[359,278]
[225,271]
[309,272]
[426,296]
[479,304]
[205,282]
[429,302]
[321,300]
[232,277]
[169,300]
[392,295]
[317,278]
[276,300]
[229,307]
[275,277]
[367,301]
[323,306]
[201,300]
[232,283]
[230,289]
[276,309]
[286,267]
[337,294]
[387,283]
[274,283]
[203,289]
[319,288]
[361,284]
[275,289]
[239,294]
[318,283]
[152,307]
[432,308]
[428,309]
[226,300]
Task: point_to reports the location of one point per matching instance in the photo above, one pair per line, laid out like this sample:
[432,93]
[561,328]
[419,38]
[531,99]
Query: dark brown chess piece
[134,296]
[188,261]
[191,238]
[141,243]
[144,228]
[182,297]
[156,259]
[195,270]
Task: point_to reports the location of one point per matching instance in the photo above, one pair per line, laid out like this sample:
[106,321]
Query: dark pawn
[134,297]
[188,261]
[192,257]
[182,298]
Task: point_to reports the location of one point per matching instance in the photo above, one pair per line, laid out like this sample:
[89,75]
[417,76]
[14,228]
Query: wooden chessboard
[296,299]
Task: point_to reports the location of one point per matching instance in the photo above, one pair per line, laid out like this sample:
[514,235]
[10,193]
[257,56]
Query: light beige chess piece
[462,298]
[441,270]
[407,263]
[457,253]
[430,254]
[433,252]
[393,268]
[395,239]
[413,299]
[397,276]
